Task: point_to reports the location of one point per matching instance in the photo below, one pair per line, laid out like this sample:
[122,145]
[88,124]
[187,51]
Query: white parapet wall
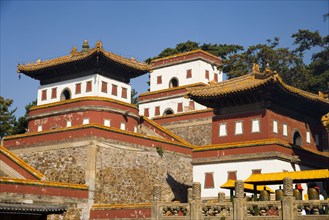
[99,86]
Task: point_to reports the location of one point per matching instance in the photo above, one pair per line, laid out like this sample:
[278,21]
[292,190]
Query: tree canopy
[8,123]
[288,62]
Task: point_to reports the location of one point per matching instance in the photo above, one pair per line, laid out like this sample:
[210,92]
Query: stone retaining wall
[195,131]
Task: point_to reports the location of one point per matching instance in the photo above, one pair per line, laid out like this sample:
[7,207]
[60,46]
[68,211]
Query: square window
[275,127]
[68,123]
[209,181]
[285,130]
[85,121]
[78,88]
[88,86]
[207,74]
[159,80]
[255,126]
[54,93]
[104,87]
[222,130]
[107,122]
[44,95]
[238,127]
[231,175]
[157,110]
[114,90]
[308,137]
[124,93]
[146,112]
[123,126]
[188,74]
[180,107]
[39,127]
[256,171]
[216,77]
[191,105]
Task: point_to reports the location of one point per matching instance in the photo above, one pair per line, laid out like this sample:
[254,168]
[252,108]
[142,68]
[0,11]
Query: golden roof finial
[99,44]
[255,68]
[85,46]
[323,95]
[73,51]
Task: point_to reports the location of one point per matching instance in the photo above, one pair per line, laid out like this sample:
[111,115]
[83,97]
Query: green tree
[134,98]
[21,125]
[221,50]
[318,69]
[7,117]
[289,65]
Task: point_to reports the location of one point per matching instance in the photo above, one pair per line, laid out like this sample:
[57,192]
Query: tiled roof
[248,82]
[32,208]
[296,176]
[185,54]
[247,187]
[76,56]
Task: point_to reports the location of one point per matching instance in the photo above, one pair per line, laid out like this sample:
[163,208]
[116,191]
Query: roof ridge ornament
[73,51]
[85,46]
[99,45]
[255,68]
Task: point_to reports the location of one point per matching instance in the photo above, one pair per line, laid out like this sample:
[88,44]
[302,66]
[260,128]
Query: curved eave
[210,95]
[42,67]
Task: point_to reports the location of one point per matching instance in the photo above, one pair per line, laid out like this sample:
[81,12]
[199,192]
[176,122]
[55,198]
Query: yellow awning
[297,177]
[247,187]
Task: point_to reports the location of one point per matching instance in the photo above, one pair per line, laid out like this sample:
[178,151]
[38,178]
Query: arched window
[66,94]
[173,82]
[297,139]
[168,111]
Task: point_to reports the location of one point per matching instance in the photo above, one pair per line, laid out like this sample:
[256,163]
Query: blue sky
[32,30]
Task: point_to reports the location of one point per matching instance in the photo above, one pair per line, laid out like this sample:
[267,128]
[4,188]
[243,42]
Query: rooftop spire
[85,46]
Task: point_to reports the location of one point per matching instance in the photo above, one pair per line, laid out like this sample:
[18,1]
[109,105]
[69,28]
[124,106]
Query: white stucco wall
[96,89]
[198,68]
[244,170]
[171,103]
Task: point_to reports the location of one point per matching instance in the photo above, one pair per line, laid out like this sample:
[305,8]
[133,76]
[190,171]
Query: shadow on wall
[179,189]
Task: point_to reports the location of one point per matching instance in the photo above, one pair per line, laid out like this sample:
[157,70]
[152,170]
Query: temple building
[169,78]
[84,130]
[89,153]
[261,125]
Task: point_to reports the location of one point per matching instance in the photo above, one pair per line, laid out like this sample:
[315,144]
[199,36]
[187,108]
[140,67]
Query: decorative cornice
[110,129]
[88,98]
[6,180]
[21,163]
[246,157]
[194,54]
[83,108]
[271,141]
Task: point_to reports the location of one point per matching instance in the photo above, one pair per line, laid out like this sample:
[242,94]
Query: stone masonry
[123,173]
[195,131]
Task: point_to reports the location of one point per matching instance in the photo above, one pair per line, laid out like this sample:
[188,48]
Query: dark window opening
[297,139]
[66,94]
[173,83]
[168,112]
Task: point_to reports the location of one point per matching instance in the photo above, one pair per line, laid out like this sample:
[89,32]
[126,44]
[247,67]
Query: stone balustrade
[195,209]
